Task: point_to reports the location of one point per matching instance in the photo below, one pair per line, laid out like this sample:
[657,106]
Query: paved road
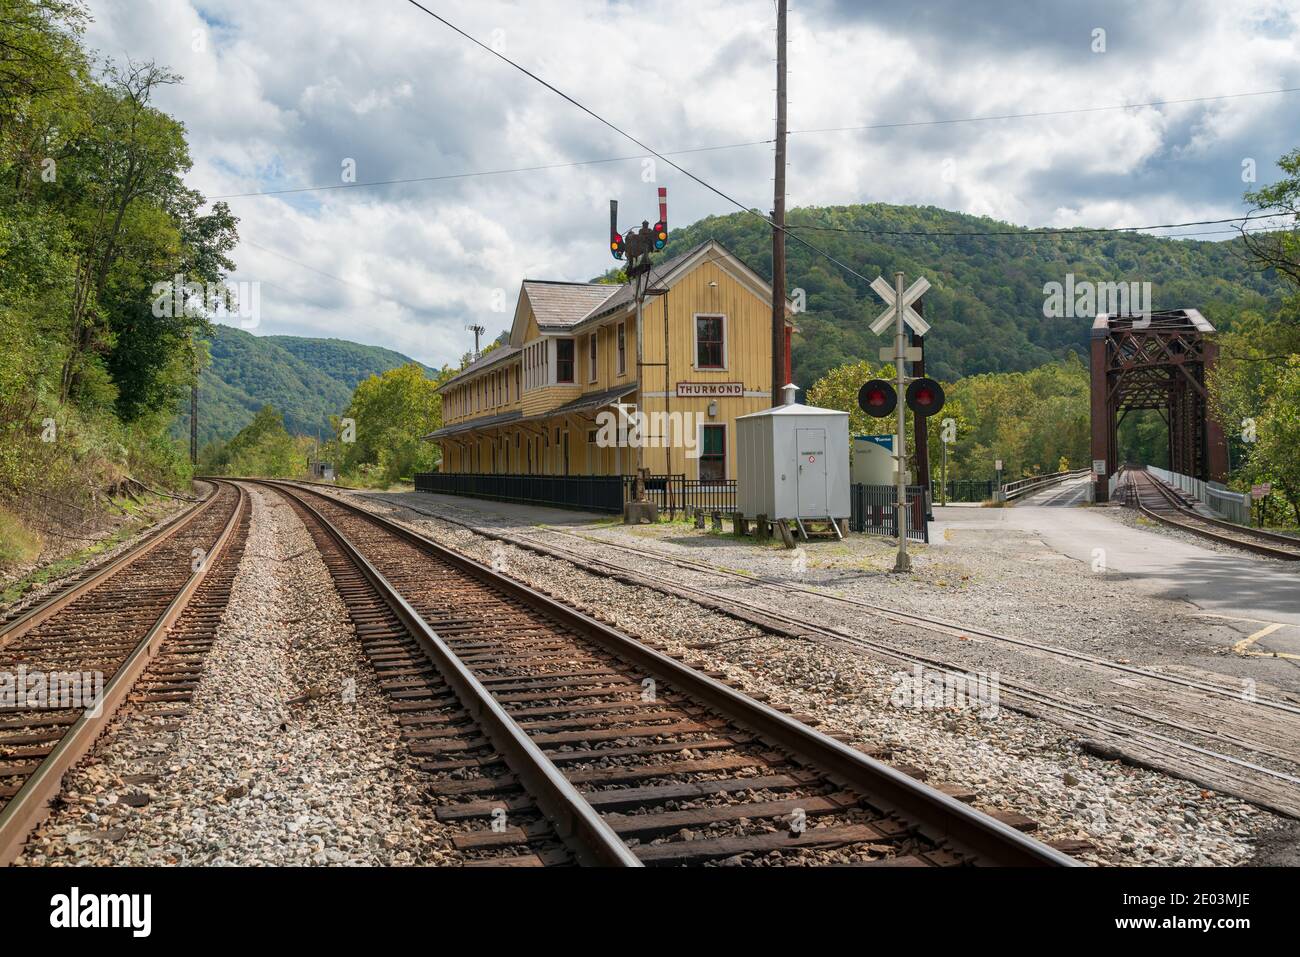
[1258,597]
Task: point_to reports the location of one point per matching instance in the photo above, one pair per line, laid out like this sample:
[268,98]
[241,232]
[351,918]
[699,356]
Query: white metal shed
[793,462]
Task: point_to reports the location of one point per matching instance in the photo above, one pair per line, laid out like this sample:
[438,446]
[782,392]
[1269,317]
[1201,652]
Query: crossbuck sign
[910,316]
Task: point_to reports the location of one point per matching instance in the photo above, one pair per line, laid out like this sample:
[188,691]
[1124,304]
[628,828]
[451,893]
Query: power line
[321,272]
[592,113]
[732,146]
[1040,232]
[476,173]
[1043,113]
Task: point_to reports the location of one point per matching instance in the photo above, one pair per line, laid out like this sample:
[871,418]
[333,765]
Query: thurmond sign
[686,390]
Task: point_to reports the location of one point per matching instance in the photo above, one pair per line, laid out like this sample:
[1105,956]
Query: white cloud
[283,92]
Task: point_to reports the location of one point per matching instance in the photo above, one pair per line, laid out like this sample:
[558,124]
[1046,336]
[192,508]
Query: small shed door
[810,446]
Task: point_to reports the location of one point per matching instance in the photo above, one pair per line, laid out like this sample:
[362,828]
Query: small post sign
[1261,491]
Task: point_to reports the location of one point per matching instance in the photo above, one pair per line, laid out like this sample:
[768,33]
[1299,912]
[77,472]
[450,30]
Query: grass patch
[18,544]
[69,563]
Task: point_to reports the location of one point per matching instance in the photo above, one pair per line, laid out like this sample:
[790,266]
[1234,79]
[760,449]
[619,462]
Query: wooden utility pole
[778,218]
[194,401]
[921,423]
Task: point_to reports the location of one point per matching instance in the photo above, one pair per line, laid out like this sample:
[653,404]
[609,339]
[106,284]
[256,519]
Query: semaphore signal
[637,245]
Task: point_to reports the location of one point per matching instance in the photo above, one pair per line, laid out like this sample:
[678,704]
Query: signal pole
[902,562]
[778,218]
[478,331]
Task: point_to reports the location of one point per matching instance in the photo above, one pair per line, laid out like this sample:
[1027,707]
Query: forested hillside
[306,380]
[97,339]
[986,305]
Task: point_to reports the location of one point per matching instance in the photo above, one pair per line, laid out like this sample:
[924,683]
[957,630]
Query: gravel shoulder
[1013,762]
[287,755]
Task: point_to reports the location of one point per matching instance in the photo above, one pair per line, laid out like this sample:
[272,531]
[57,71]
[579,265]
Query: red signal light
[616,245]
[877,398]
[925,396]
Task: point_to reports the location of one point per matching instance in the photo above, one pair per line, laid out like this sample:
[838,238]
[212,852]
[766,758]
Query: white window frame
[695,342]
[699,443]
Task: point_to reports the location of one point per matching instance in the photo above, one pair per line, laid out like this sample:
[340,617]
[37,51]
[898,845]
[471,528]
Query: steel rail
[940,818]
[51,606]
[28,807]
[1010,689]
[711,599]
[897,615]
[577,823]
[1240,542]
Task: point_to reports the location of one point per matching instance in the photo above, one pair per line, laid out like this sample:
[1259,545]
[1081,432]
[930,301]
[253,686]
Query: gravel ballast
[1012,761]
[287,755]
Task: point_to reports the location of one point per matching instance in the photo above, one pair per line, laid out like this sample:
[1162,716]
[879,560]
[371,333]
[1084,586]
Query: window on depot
[564,360]
[710,345]
[713,453]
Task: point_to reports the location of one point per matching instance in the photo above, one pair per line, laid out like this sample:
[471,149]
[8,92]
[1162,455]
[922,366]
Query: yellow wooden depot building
[533,405]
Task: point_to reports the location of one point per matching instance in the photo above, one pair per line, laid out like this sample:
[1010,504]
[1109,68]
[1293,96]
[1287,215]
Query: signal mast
[636,247]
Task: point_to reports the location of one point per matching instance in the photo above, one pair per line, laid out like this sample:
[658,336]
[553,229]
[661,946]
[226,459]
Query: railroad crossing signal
[877,398]
[901,315]
[910,315]
[925,396]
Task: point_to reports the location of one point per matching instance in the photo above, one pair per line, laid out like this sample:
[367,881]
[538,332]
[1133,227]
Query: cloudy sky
[296,93]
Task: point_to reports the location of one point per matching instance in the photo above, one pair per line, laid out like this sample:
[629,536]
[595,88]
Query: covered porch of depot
[559,442]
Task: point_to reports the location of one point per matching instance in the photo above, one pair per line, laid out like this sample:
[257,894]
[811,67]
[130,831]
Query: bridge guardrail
[1011,490]
[1234,506]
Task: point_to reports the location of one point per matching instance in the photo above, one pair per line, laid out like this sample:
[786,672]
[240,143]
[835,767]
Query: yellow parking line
[1241,646]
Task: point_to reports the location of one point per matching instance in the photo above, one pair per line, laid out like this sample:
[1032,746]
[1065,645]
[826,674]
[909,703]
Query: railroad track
[57,587]
[1227,756]
[140,624]
[531,709]
[1156,500]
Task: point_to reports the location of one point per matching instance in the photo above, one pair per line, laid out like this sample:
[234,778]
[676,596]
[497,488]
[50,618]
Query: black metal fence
[872,506]
[873,510]
[590,493]
[677,493]
[964,490]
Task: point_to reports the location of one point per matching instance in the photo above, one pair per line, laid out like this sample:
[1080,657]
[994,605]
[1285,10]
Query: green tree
[1277,458]
[1277,249]
[262,448]
[93,213]
[391,413]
